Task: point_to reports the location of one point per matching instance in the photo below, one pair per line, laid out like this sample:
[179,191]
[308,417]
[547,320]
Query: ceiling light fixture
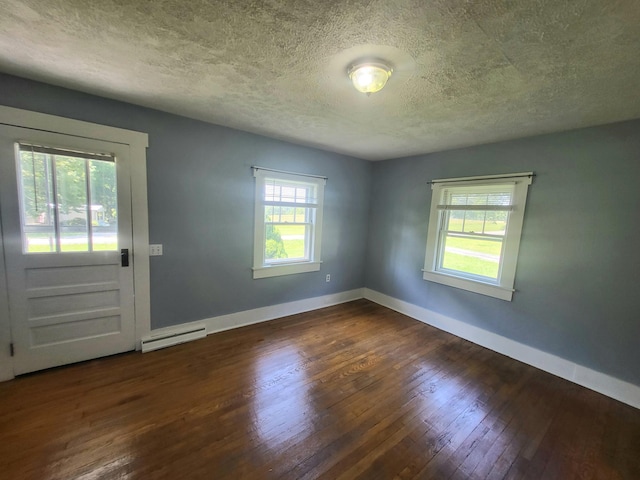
[369,77]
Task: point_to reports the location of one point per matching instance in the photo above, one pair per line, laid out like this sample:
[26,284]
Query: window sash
[276,215]
[444,234]
[442,247]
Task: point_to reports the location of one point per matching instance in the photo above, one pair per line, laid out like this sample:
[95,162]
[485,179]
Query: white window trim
[260,269]
[505,288]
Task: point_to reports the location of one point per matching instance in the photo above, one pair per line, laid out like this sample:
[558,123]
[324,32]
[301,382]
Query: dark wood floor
[351,391]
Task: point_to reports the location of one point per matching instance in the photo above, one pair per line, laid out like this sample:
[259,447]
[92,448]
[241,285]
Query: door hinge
[11,350]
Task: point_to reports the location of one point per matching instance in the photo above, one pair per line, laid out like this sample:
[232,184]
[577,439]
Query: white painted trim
[260,267]
[285,269]
[264,314]
[140,224]
[78,128]
[6,361]
[503,288]
[137,142]
[597,381]
[470,285]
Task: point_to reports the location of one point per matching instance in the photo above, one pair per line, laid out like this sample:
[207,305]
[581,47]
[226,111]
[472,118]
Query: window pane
[477,221]
[38,215]
[277,190]
[274,250]
[285,243]
[499,198]
[496,223]
[295,243]
[104,205]
[71,188]
[456,198]
[301,215]
[454,220]
[271,192]
[274,214]
[288,194]
[268,214]
[472,255]
[287,215]
[474,222]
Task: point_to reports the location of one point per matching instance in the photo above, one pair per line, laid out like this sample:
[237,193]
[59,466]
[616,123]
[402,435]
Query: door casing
[138,143]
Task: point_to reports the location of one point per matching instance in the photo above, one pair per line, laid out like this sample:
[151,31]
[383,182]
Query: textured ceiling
[466,72]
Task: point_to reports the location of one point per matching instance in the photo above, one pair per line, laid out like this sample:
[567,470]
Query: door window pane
[38,206]
[71,190]
[68,201]
[104,205]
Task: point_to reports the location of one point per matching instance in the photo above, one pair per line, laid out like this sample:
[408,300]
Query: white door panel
[66,306]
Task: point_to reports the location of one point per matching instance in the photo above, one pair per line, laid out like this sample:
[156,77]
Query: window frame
[503,287]
[262,268]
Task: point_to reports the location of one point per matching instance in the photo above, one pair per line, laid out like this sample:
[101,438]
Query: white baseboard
[263,314]
[597,381]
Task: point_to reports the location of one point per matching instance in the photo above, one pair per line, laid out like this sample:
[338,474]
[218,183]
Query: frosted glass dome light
[369,77]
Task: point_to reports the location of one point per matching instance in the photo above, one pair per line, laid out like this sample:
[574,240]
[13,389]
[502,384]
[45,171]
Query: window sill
[470,285]
[289,269]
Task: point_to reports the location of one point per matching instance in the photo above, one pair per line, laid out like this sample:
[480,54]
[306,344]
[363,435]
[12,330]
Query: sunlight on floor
[282,407]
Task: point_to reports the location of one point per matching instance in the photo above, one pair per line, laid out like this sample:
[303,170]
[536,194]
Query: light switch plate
[155,250]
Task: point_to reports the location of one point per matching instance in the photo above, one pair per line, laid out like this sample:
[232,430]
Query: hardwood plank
[350,391]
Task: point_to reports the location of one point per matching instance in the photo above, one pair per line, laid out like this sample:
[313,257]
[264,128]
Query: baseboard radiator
[173,337]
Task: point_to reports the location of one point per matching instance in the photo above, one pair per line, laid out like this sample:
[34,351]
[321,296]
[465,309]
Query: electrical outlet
[155,250]
[328,277]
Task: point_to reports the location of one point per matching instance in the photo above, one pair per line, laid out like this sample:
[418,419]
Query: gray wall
[577,279]
[201,193]
[578,269]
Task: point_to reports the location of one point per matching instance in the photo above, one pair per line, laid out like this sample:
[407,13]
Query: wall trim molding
[6,361]
[264,314]
[602,383]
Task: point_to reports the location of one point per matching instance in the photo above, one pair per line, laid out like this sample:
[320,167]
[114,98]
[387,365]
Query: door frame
[138,143]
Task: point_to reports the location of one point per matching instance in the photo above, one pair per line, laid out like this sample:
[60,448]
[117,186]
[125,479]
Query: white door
[65,205]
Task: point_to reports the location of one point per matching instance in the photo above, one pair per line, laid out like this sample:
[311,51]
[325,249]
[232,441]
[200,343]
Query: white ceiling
[466,72]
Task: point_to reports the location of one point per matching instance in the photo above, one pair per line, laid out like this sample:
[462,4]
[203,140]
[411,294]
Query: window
[68,200]
[288,223]
[474,232]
